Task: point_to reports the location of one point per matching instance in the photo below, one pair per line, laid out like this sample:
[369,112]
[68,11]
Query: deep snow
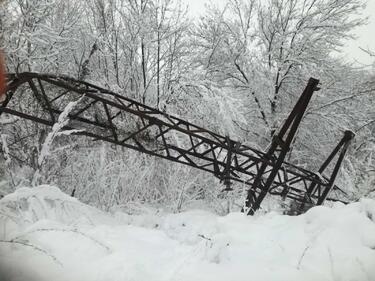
[47,235]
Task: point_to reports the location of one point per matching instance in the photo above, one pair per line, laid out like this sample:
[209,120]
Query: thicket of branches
[236,70]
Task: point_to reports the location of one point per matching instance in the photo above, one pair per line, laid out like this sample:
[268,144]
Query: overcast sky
[365,34]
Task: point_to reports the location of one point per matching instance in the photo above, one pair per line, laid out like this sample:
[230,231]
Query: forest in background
[237,70]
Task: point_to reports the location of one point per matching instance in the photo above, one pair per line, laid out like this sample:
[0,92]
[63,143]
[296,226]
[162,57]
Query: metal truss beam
[110,117]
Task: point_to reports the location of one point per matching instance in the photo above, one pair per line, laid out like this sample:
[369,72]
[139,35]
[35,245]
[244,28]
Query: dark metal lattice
[107,116]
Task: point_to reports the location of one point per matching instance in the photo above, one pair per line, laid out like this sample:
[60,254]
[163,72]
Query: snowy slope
[47,235]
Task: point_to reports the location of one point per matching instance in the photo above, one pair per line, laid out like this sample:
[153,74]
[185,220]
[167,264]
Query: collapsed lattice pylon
[110,117]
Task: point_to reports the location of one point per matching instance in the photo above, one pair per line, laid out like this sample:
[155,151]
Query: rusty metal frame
[110,117]
[280,145]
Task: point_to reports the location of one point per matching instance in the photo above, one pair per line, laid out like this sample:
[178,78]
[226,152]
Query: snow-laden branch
[56,131]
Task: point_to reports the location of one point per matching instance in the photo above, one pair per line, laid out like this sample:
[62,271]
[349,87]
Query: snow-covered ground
[47,235]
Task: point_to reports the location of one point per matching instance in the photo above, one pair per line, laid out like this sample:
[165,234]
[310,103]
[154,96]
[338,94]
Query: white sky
[365,35]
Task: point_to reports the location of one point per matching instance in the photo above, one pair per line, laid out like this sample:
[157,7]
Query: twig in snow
[302,256]
[33,247]
[67,230]
[204,237]
[368,51]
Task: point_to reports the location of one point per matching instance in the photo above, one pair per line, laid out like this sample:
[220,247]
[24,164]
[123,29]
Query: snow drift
[47,235]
